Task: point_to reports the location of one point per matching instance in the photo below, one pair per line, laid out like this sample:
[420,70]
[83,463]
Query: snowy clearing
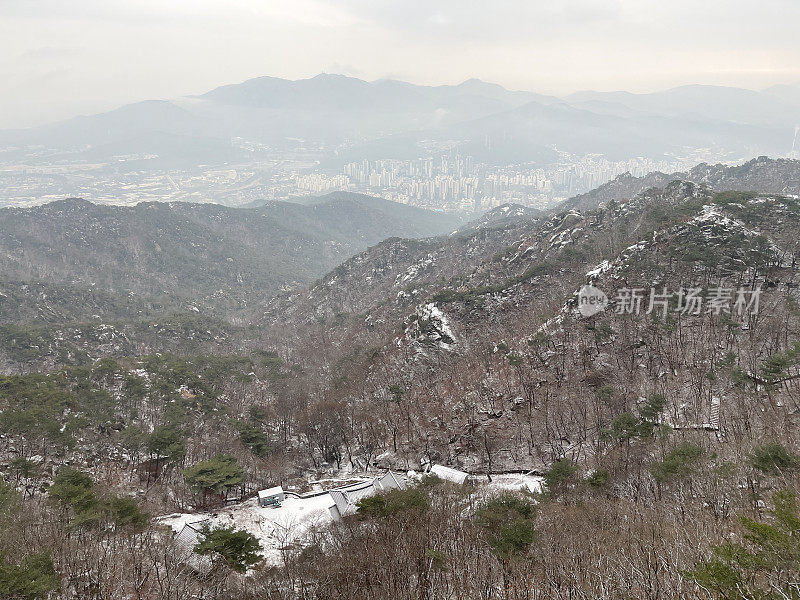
[273,527]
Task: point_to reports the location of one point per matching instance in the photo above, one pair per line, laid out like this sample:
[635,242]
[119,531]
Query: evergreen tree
[238,549]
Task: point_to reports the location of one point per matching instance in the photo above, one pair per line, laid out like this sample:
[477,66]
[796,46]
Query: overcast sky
[59,58]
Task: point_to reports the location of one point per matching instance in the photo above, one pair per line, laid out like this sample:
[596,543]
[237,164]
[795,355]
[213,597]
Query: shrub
[559,474]
[255,439]
[394,501]
[507,520]
[167,441]
[216,475]
[237,548]
[774,459]
[765,564]
[598,478]
[679,462]
[35,578]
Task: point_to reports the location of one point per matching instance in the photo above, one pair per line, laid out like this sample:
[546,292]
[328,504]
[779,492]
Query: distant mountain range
[354,119]
[772,107]
[104,258]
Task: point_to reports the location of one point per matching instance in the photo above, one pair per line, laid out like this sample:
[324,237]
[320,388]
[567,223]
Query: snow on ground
[274,527]
[598,270]
[431,311]
[712,214]
[513,482]
[278,527]
[414,270]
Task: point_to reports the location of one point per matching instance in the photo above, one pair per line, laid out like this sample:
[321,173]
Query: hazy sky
[59,58]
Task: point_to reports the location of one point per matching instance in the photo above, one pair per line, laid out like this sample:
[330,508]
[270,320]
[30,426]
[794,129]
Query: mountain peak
[333,77]
[474,81]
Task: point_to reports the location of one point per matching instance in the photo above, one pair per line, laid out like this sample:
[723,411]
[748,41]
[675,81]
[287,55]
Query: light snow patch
[598,270]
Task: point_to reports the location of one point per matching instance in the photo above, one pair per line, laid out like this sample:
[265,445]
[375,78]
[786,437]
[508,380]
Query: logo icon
[591,300]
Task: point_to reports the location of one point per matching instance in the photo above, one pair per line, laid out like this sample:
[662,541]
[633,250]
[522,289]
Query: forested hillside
[663,424]
[764,174]
[70,260]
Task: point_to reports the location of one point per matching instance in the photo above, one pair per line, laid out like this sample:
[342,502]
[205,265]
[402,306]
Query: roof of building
[340,500]
[185,541]
[347,497]
[273,491]
[390,480]
[353,496]
[449,474]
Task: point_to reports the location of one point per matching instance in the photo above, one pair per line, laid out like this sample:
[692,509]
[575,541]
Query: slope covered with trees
[73,259]
[665,432]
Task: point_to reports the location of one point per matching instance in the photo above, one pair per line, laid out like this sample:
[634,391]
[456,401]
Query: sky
[59,59]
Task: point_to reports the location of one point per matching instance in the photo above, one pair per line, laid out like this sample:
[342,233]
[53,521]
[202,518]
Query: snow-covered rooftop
[273,491]
[449,474]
